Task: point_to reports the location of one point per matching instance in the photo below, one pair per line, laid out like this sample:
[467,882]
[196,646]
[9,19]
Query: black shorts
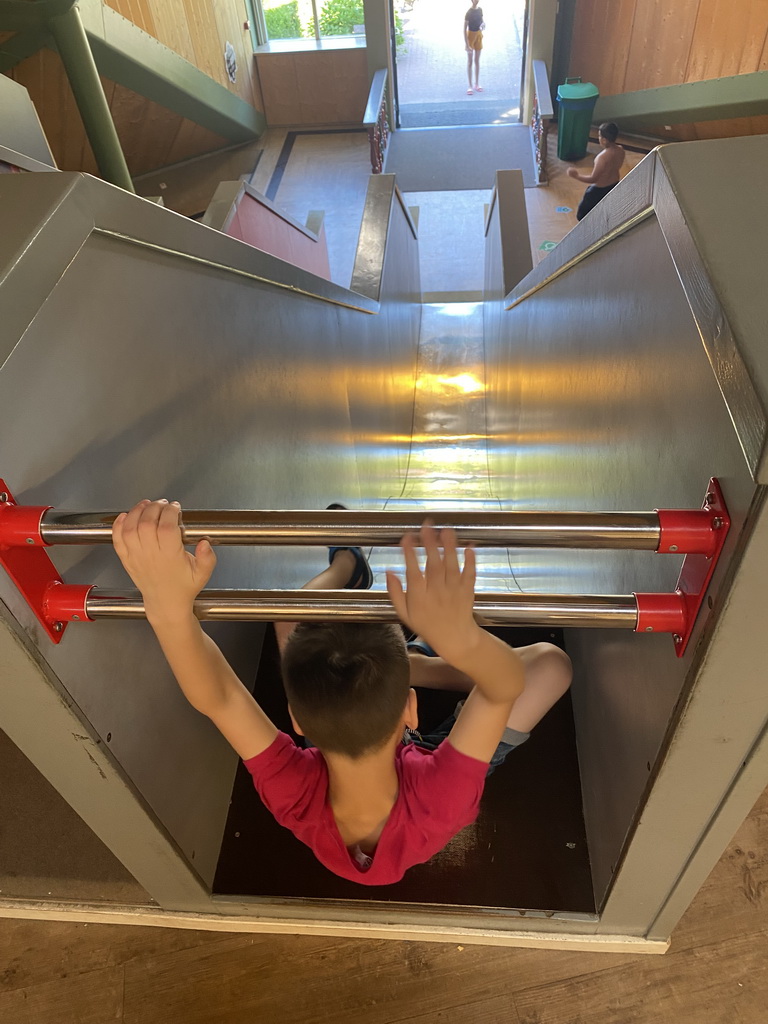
[592,197]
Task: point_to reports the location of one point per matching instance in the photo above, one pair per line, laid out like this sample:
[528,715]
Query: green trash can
[577,101]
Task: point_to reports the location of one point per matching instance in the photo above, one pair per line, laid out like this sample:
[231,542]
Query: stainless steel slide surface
[146,355]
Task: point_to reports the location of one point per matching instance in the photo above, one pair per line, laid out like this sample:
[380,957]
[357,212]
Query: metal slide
[622,374]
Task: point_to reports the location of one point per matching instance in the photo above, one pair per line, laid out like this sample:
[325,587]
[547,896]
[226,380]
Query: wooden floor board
[731,986]
[95,998]
[25,961]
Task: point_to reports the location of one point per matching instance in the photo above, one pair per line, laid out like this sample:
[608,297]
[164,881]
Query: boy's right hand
[149,543]
[438,603]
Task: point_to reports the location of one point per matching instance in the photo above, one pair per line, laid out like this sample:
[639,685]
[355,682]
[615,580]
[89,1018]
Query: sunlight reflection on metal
[465,382]
[457,309]
[448,448]
[448,466]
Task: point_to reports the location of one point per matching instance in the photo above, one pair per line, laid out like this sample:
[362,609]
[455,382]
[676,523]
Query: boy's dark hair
[347,683]
[609,130]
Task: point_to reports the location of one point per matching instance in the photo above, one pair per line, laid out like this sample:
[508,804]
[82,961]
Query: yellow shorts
[474,40]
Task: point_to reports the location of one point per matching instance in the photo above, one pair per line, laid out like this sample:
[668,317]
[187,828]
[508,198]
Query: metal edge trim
[371,247]
[584,254]
[491,206]
[119,236]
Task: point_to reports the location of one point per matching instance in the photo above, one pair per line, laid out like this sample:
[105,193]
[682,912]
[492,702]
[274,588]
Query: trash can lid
[577,91]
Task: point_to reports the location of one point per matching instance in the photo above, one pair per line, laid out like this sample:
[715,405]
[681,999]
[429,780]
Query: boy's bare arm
[438,605]
[588,179]
[148,542]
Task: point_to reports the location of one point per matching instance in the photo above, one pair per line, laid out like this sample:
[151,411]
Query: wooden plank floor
[715,973]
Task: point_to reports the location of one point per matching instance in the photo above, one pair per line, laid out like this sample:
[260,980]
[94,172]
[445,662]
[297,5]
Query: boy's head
[609,131]
[347,684]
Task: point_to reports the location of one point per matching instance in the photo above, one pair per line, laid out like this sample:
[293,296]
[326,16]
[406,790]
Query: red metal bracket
[23,557]
[704,538]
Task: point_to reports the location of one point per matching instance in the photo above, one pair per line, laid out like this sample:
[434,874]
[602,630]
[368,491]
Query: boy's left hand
[438,603]
[148,542]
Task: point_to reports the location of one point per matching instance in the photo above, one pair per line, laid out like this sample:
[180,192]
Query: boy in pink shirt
[368,802]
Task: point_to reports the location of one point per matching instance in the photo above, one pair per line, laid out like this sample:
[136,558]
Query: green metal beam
[714,100]
[76,56]
[24,44]
[19,15]
[132,58]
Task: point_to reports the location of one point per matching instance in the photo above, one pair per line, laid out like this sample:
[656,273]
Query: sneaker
[362,577]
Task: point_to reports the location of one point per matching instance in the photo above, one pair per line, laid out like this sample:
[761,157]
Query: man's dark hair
[609,130]
[347,683]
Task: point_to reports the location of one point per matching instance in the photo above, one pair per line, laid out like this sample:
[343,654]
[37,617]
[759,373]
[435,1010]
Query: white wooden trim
[156,918]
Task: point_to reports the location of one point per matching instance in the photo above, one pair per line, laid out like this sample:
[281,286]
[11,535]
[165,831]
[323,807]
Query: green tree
[283,21]
[338,18]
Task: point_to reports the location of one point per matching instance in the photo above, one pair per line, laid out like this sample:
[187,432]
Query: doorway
[431,63]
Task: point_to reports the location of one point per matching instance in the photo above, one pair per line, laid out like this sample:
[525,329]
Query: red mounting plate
[25,560]
[697,570]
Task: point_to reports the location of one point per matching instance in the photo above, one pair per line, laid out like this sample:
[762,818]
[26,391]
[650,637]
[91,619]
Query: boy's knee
[555,662]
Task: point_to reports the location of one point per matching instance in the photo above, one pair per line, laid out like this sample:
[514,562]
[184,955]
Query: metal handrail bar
[541,88]
[332,528]
[375,98]
[666,530]
[540,117]
[375,120]
[603,611]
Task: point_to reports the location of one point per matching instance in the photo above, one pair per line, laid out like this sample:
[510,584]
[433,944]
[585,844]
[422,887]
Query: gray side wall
[22,139]
[602,397]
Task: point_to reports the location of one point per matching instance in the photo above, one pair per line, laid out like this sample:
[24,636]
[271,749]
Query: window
[312,19]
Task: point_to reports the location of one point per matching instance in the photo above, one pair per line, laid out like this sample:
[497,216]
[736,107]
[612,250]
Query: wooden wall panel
[729,39]
[172,28]
[314,87]
[601,40]
[625,45]
[137,11]
[662,32]
[198,31]
[230,21]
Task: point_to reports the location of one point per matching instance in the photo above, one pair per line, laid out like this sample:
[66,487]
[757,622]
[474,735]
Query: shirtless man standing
[605,171]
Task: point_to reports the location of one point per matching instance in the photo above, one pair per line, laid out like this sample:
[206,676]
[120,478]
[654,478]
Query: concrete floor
[432,64]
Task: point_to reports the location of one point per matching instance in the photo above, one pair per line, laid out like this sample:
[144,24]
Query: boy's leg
[436,674]
[338,573]
[469,70]
[548,675]
[477,70]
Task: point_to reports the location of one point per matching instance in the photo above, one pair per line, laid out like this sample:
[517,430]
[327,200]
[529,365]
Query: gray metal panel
[508,206]
[697,240]
[64,748]
[730,238]
[162,372]
[717,760]
[603,398]
[22,139]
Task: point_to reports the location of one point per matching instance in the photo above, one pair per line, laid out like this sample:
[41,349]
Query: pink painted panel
[261,227]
